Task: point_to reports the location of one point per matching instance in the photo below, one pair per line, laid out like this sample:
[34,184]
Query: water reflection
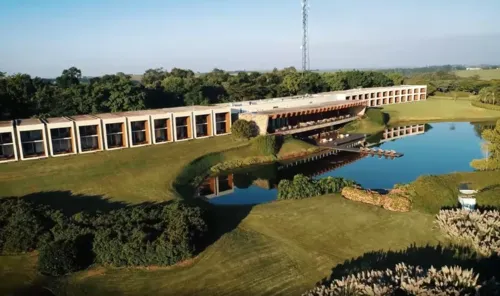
[428,149]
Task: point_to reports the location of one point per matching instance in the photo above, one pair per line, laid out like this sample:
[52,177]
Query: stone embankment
[395,200]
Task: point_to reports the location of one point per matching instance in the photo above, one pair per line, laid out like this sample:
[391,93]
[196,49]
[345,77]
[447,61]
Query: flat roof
[6,123]
[108,115]
[83,117]
[338,104]
[188,108]
[57,120]
[29,121]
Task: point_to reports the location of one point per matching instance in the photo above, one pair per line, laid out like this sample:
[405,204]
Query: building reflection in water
[268,176]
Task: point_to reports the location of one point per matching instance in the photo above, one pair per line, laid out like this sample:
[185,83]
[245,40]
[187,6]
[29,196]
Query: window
[220,123]
[114,135]
[201,125]
[6,146]
[161,130]
[61,140]
[29,136]
[182,128]
[89,137]
[32,143]
[139,132]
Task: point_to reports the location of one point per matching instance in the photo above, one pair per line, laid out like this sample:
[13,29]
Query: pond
[429,149]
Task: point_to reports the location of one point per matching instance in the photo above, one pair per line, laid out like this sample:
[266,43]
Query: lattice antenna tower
[305,37]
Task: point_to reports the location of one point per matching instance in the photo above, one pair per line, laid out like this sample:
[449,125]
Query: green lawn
[438,110]
[130,175]
[483,74]
[278,248]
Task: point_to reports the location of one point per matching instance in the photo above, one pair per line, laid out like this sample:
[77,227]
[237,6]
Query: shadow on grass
[71,204]
[427,256]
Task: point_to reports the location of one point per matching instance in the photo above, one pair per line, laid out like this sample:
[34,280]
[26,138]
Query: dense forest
[23,96]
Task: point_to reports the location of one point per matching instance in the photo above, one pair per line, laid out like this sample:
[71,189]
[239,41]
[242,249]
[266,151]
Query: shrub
[242,129]
[58,258]
[480,230]
[405,280]
[149,234]
[303,187]
[239,163]
[23,225]
[266,145]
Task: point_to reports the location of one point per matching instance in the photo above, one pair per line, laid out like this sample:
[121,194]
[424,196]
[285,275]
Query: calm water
[430,149]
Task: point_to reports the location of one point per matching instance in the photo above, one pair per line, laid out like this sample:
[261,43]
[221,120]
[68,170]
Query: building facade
[34,138]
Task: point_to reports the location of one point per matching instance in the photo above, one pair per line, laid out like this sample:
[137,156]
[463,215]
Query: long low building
[40,138]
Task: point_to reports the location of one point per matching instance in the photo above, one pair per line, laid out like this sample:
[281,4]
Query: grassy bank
[128,175]
[438,110]
[433,192]
[277,248]
[432,110]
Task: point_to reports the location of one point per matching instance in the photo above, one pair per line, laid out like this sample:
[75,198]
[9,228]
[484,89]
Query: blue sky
[108,36]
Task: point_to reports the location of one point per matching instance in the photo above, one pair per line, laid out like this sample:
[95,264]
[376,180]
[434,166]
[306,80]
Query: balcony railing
[311,125]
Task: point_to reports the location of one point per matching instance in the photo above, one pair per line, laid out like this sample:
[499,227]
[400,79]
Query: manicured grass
[438,110]
[483,74]
[294,146]
[278,248]
[434,192]
[131,175]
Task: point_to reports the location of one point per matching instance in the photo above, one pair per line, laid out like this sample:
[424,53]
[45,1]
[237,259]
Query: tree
[492,146]
[490,95]
[69,77]
[242,129]
[58,258]
[397,78]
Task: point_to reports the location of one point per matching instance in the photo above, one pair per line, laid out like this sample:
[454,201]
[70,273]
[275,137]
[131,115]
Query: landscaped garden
[282,247]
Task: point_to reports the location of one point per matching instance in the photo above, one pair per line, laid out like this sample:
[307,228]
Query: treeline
[151,234]
[22,96]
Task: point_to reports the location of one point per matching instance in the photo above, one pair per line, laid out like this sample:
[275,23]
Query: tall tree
[69,77]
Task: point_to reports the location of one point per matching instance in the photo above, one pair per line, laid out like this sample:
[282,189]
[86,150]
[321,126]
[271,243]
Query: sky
[42,38]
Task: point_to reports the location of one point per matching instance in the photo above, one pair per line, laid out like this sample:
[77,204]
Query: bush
[267,145]
[242,129]
[406,280]
[23,225]
[480,230]
[149,235]
[303,187]
[58,258]
[240,163]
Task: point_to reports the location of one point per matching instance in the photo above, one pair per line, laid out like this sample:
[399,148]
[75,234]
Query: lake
[429,149]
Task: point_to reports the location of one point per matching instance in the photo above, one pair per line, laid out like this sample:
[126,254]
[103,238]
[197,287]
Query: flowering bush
[405,280]
[478,229]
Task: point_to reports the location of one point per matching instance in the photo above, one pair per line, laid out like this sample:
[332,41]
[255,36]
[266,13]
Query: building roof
[188,108]
[6,123]
[325,106]
[108,116]
[83,117]
[29,121]
[57,120]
